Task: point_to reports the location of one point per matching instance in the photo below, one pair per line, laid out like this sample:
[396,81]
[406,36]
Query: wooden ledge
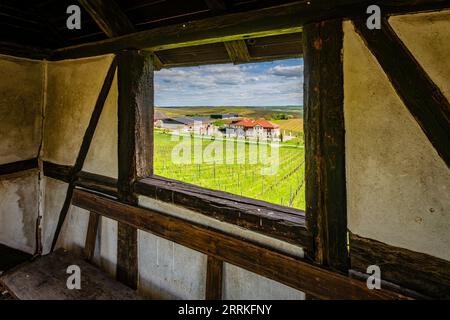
[273,220]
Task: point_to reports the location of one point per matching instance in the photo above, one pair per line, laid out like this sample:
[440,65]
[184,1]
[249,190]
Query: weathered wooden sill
[273,220]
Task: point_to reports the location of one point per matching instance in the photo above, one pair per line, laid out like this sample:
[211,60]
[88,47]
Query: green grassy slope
[232,168]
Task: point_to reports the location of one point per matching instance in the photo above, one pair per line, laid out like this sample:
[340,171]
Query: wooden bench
[46,279]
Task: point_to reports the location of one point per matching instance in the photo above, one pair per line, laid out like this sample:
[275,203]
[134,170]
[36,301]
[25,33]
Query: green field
[260,171]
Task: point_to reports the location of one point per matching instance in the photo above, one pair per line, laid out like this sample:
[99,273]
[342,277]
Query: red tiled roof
[267,124]
[250,123]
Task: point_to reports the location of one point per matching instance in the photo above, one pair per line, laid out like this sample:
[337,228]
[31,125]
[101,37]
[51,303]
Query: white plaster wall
[168,270]
[53,199]
[241,284]
[171,271]
[19,210]
[74,230]
[102,156]
[427,36]
[106,249]
[72,90]
[398,188]
[21,92]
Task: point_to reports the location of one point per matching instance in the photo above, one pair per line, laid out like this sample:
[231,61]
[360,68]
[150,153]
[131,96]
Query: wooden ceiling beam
[257,23]
[282,19]
[237,51]
[217,6]
[109,17]
[22,51]
[157,63]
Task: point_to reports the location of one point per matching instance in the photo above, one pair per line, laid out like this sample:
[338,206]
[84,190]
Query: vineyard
[260,171]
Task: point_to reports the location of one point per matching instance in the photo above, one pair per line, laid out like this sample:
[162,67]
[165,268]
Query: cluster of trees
[280,116]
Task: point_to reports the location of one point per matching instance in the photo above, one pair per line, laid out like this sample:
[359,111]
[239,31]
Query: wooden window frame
[280,222]
[322,230]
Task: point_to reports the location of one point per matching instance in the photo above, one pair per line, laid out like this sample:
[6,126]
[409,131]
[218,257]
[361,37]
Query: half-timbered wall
[166,270]
[72,90]
[398,186]
[21,99]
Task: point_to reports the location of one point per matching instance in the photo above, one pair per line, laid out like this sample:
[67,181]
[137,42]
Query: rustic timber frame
[323,231]
[220,247]
[326,199]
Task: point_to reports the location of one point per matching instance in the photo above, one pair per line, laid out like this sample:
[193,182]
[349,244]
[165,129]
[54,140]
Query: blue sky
[275,83]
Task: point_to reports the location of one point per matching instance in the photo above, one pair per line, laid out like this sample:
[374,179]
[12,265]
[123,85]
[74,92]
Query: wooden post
[135,147]
[91,236]
[214,278]
[326,210]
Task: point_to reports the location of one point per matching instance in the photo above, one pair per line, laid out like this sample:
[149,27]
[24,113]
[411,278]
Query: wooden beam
[419,93]
[58,171]
[273,220]
[291,271]
[98,183]
[135,112]
[18,166]
[237,51]
[86,180]
[85,144]
[214,279]
[413,270]
[22,51]
[91,236]
[95,118]
[108,16]
[258,23]
[283,19]
[135,146]
[270,219]
[127,255]
[54,33]
[227,60]
[217,6]
[157,63]
[326,212]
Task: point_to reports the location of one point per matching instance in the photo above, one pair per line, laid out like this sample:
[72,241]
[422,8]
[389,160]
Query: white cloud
[254,84]
[287,71]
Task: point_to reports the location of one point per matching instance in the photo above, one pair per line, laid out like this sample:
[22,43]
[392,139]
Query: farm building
[254,128]
[198,125]
[76,153]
